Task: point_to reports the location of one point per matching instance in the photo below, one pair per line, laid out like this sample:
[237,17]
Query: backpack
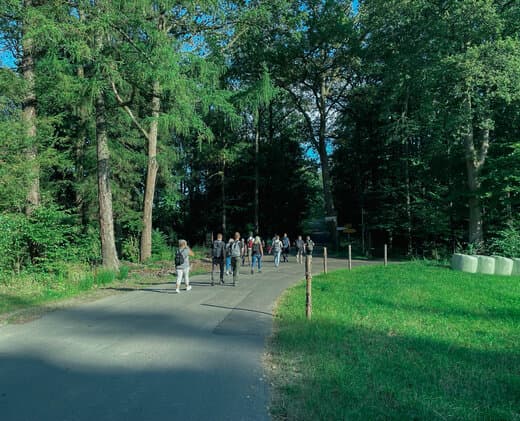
[250,244]
[218,249]
[310,246]
[179,258]
[236,248]
[256,248]
[277,245]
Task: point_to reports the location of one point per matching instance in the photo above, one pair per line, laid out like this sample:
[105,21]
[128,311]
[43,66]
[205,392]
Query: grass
[410,341]
[30,290]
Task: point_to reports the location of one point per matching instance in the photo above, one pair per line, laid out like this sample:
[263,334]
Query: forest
[127,125]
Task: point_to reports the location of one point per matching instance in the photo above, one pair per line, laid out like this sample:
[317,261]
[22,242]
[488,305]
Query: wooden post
[308,278]
[325,263]
[386,255]
[349,257]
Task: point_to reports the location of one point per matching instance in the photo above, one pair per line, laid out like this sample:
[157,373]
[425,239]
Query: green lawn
[410,341]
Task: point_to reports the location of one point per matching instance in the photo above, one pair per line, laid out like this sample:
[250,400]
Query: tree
[316,64]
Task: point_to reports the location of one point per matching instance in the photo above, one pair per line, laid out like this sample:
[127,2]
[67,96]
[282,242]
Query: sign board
[331,219]
[349,230]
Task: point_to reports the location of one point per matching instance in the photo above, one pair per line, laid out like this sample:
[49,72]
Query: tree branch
[125,107]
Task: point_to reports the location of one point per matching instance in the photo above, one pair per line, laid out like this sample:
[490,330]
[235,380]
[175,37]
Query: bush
[130,249]
[160,248]
[104,277]
[123,273]
[45,241]
[507,241]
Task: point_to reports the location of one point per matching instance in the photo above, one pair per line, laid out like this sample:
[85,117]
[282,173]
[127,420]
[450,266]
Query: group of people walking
[228,257]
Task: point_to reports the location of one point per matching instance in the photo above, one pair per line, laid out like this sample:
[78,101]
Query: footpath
[149,354]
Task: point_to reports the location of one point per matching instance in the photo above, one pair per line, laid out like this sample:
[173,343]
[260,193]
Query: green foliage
[104,277]
[160,248]
[507,241]
[130,249]
[409,341]
[123,273]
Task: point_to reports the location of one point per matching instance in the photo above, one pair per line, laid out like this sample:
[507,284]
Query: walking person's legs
[228,264]
[255,257]
[277,258]
[187,278]
[213,263]
[259,264]
[235,268]
[180,274]
[221,266]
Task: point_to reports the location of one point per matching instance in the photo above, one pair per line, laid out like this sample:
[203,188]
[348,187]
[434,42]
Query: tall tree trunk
[223,197]
[474,162]
[328,199]
[408,200]
[257,176]
[29,115]
[79,154]
[473,167]
[151,176]
[106,217]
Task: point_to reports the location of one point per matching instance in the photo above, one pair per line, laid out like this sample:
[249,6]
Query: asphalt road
[149,354]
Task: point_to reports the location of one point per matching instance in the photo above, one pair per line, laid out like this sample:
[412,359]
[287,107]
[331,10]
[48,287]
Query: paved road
[147,355]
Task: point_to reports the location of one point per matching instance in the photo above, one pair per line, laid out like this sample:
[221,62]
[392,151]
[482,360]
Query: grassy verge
[34,289]
[410,341]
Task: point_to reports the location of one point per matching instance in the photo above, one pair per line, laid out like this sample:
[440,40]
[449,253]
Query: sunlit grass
[34,289]
[410,341]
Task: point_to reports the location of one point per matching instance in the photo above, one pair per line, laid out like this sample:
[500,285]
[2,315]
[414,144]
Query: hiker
[277,250]
[257,254]
[309,246]
[218,253]
[286,248]
[243,246]
[228,257]
[182,265]
[236,252]
[300,246]
[250,242]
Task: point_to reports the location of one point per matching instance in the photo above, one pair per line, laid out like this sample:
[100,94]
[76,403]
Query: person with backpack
[277,250]
[286,248]
[236,253]
[300,246]
[250,242]
[257,253]
[309,246]
[228,256]
[243,244]
[218,253]
[182,265]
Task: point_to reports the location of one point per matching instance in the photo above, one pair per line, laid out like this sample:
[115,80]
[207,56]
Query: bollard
[349,257]
[308,294]
[386,255]
[325,263]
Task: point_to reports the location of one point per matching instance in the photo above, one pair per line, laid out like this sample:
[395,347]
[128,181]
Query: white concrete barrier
[503,266]
[516,267]
[486,265]
[464,263]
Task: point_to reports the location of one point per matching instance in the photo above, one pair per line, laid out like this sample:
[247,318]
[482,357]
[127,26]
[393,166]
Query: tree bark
[474,162]
[29,115]
[151,176]
[223,193]
[330,211]
[106,217]
[257,177]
